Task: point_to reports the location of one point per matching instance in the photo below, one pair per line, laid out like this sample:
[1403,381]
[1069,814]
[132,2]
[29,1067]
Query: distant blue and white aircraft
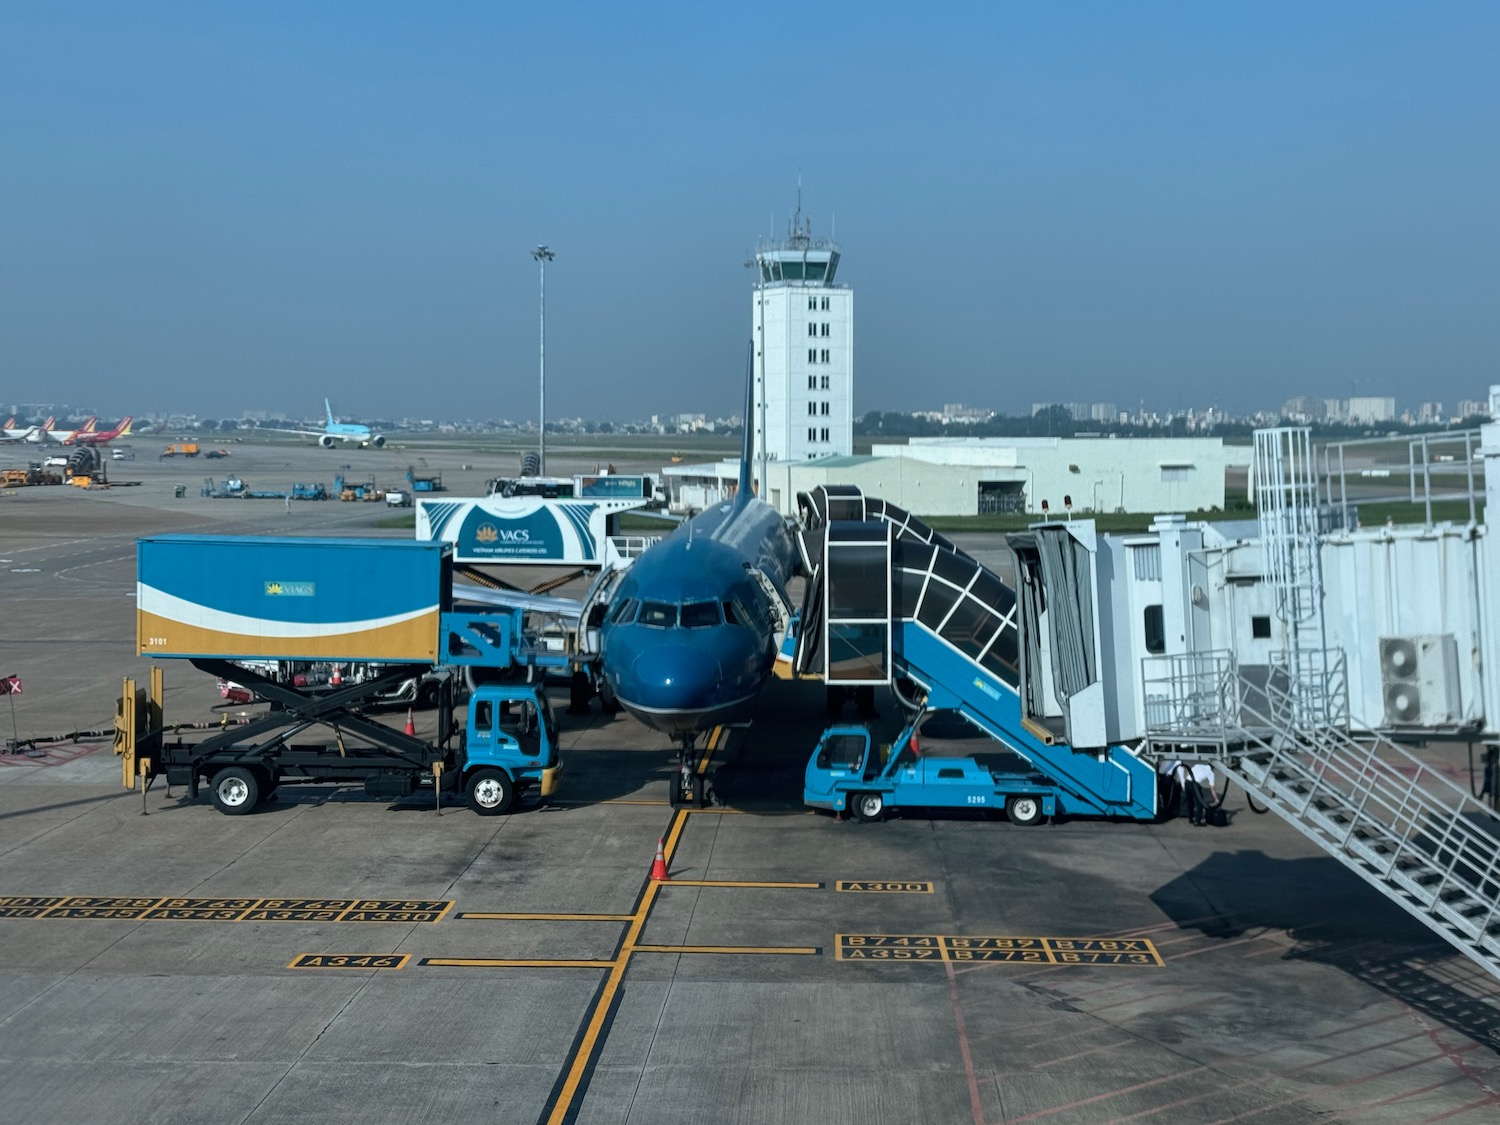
[345,432]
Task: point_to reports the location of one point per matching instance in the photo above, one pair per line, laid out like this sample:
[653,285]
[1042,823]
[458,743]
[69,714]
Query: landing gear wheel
[699,792]
[1024,810]
[607,701]
[867,807]
[490,792]
[235,791]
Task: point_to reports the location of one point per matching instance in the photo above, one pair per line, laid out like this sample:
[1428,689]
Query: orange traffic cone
[337,678]
[411,727]
[659,873]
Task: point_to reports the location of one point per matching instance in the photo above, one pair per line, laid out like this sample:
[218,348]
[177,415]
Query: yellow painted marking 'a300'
[884,887]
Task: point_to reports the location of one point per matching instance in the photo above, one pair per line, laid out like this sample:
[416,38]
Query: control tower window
[825,304]
[812,329]
[825,330]
[824,384]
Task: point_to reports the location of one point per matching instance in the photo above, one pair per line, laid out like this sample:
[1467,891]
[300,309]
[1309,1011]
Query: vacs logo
[488,533]
[291,589]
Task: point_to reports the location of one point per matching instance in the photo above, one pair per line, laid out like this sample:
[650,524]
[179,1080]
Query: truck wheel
[490,792]
[867,807]
[235,791]
[1023,810]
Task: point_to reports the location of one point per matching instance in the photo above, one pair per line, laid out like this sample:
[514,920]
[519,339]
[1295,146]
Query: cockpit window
[729,615]
[697,615]
[659,614]
[625,611]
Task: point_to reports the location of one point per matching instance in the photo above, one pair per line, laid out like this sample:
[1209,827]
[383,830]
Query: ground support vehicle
[246,609]
[181,449]
[848,771]
[506,747]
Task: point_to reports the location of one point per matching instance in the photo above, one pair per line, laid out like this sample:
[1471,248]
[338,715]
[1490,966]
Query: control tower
[803,329]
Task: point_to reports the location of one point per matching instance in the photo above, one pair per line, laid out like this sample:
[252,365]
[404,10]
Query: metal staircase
[1420,840]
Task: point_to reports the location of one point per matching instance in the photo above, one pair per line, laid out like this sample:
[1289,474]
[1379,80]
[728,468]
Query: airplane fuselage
[690,636]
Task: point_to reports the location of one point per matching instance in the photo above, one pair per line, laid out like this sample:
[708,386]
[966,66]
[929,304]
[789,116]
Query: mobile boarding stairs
[890,601]
[947,627]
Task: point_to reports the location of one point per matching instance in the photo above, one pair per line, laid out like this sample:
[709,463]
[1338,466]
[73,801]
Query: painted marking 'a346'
[350,961]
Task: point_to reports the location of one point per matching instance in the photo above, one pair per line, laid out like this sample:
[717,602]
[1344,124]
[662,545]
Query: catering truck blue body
[247,608]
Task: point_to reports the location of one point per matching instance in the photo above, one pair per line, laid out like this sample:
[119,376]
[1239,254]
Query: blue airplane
[345,432]
[690,635]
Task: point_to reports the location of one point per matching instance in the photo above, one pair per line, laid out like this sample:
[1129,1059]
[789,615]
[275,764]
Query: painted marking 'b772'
[1021,950]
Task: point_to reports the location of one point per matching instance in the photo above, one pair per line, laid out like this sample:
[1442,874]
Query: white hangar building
[972,476]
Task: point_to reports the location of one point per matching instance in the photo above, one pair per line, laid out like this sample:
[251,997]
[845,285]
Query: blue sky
[228,206]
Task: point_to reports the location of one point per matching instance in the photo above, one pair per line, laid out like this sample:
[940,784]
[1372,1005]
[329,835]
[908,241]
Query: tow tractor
[848,770]
[240,608]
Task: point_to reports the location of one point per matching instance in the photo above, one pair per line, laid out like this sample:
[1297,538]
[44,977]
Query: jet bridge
[890,601]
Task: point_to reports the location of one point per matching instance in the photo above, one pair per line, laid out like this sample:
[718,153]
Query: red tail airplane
[88,436]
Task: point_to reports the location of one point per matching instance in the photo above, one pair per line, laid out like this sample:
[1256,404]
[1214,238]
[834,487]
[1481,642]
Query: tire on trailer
[1023,809]
[867,807]
[490,791]
[235,790]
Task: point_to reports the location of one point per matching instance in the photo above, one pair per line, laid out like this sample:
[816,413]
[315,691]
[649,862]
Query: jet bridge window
[700,615]
[1156,630]
[660,614]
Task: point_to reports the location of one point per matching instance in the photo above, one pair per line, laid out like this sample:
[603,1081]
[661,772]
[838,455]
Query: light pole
[543,254]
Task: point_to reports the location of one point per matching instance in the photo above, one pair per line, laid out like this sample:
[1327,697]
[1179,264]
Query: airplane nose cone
[675,677]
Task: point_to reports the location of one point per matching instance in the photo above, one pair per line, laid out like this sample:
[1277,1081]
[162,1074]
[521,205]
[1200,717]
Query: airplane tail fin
[747,446]
[48,424]
[125,427]
[88,426]
[329,408]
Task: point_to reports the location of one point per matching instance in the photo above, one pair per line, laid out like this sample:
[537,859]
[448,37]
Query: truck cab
[848,770]
[510,746]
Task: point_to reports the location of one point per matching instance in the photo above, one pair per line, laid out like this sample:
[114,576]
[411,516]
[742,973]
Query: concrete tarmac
[796,968]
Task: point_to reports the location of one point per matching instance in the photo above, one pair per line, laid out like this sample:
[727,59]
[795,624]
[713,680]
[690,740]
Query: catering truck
[242,608]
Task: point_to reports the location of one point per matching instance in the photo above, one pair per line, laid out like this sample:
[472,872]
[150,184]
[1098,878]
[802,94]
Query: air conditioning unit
[1419,680]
